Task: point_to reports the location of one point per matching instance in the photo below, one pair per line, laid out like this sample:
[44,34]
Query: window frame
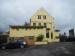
[39,16]
[44,17]
[34,24]
[39,24]
[45,24]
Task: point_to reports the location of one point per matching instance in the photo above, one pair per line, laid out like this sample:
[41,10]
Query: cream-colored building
[41,23]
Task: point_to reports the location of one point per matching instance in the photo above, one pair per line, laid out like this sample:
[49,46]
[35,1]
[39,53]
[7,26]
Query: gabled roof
[39,11]
[42,10]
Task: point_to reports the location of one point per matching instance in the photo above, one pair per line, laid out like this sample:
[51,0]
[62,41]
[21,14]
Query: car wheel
[21,46]
[3,47]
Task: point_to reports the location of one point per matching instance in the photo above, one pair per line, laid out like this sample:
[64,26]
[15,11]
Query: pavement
[53,49]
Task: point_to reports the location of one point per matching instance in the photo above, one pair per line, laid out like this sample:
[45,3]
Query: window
[39,24]
[34,24]
[51,35]
[39,16]
[44,17]
[45,24]
[47,35]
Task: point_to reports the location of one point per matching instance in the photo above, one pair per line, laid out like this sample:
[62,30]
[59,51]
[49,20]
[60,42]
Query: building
[4,37]
[41,23]
[71,32]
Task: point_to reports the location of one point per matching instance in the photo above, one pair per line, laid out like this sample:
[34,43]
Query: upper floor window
[39,16]
[44,17]
[39,24]
[45,24]
[34,24]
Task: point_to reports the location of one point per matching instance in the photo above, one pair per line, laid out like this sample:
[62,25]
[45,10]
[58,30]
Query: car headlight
[24,43]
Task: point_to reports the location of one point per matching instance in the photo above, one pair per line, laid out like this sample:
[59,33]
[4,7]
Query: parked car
[13,45]
[22,43]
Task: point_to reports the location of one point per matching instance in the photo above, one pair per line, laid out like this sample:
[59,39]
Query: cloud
[19,11]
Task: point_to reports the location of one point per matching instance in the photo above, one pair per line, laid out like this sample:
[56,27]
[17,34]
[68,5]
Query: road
[53,49]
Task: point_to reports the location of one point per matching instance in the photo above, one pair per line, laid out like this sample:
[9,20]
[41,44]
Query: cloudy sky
[18,11]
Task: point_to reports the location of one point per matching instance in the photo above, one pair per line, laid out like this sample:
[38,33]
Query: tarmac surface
[53,49]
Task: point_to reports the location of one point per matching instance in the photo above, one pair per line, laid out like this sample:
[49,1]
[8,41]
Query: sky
[16,12]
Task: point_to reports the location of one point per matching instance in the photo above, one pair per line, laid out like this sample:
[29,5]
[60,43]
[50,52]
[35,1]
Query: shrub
[40,37]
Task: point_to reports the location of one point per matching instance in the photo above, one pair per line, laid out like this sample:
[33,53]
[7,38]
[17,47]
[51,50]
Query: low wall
[41,43]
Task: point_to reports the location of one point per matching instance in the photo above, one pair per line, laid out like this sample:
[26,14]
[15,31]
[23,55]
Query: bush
[40,37]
